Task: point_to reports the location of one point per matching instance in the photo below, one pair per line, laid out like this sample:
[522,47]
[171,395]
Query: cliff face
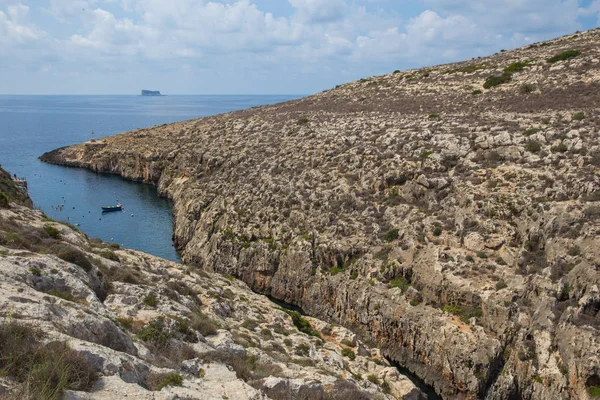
[98,322]
[448,214]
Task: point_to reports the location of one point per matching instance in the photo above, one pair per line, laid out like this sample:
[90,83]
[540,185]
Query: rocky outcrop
[146,328]
[449,214]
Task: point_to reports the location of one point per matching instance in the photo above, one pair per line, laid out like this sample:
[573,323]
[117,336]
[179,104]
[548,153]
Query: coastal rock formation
[99,322]
[449,215]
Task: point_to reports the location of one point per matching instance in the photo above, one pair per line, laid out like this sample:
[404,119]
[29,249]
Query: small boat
[118,207]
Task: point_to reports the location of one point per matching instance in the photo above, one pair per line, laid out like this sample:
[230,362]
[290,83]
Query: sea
[33,125]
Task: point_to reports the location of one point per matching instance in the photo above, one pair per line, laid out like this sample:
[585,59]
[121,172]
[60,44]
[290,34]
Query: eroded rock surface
[450,221]
[153,329]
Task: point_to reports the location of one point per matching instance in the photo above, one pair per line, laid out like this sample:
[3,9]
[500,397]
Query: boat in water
[118,207]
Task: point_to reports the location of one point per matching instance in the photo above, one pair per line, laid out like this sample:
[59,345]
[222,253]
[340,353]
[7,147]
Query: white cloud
[328,37]
[14,29]
[315,11]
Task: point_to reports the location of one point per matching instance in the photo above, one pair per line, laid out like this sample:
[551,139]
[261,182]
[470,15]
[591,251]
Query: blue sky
[257,46]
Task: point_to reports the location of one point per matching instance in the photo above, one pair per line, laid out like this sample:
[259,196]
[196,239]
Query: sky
[257,46]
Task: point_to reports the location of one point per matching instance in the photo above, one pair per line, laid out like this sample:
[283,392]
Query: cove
[33,125]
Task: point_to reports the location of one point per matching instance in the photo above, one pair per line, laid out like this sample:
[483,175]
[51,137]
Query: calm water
[32,125]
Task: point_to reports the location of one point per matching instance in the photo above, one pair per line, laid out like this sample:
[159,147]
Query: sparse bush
[565,55]
[109,255]
[560,148]
[527,88]
[74,256]
[336,270]
[246,367]
[52,231]
[349,353]
[250,324]
[476,92]
[151,299]
[465,313]
[516,67]
[156,382]
[493,81]
[531,131]
[391,235]
[46,370]
[501,285]
[3,200]
[204,324]
[434,116]
[533,146]
[594,391]
[401,283]
[373,379]
[302,324]
[578,116]
[302,121]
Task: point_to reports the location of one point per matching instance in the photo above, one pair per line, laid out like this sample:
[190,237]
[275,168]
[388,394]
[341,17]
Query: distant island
[151,93]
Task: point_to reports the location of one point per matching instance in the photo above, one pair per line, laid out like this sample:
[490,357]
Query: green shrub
[391,235]
[35,271]
[533,146]
[516,67]
[151,300]
[501,285]
[434,116]
[527,88]
[493,81]
[250,324]
[468,68]
[464,312]
[204,324]
[531,131]
[560,148]
[385,387]
[302,121]
[469,258]
[476,92]
[3,200]
[401,283]
[336,270]
[565,55]
[349,353]
[52,231]
[302,324]
[109,255]
[125,322]
[578,116]
[373,379]
[155,333]
[156,382]
[74,256]
[45,370]
[594,391]
[303,350]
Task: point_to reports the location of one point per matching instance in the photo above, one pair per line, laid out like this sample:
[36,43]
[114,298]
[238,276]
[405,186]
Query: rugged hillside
[449,214]
[98,322]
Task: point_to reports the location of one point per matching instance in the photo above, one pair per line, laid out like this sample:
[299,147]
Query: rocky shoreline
[89,320]
[448,215]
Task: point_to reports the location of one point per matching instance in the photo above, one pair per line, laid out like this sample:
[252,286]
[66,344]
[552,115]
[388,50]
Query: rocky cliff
[449,214]
[81,319]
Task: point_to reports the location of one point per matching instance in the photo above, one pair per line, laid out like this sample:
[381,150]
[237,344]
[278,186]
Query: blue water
[33,125]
